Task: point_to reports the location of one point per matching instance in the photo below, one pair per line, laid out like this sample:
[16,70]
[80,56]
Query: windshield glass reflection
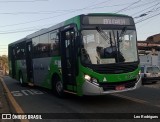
[108,46]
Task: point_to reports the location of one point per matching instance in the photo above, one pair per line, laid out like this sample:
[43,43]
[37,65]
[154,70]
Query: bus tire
[58,87]
[21,80]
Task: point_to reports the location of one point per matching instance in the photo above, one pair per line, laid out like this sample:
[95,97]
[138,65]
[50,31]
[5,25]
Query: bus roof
[45,30]
[21,40]
[108,14]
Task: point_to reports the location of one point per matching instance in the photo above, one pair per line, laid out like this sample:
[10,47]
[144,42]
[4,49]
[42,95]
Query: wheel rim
[59,87]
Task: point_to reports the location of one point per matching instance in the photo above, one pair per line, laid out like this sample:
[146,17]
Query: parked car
[150,74]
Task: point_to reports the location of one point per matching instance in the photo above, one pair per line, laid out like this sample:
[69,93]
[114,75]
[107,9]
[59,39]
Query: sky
[19,18]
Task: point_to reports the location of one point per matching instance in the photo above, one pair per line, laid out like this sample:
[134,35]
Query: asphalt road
[37,100]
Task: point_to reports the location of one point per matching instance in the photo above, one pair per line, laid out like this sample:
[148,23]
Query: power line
[54,17]
[23,29]
[51,17]
[128,6]
[21,1]
[96,4]
[146,9]
[108,6]
[148,13]
[18,13]
[141,26]
[139,6]
[60,11]
[35,20]
[19,31]
[147,18]
[33,29]
[68,12]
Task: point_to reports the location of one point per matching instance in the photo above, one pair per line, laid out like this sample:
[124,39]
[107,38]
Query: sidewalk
[4,102]
[5,106]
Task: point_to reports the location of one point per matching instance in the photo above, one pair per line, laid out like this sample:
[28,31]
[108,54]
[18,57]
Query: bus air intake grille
[112,86]
[115,69]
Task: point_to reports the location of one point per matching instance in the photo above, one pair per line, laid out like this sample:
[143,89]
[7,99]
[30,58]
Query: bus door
[13,58]
[29,61]
[67,56]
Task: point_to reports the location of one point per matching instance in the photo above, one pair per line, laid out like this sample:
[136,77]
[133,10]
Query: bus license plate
[120,87]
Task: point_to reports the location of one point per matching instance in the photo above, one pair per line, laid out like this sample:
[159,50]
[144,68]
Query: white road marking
[28,92]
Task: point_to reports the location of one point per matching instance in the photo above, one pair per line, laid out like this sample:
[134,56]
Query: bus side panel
[21,68]
[40,69]
[80,80]
[43,70]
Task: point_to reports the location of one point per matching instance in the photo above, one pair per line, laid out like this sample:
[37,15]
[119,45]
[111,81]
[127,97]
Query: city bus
[84,55]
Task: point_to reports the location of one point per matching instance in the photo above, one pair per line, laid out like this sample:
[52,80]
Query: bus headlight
[139,72]
[138,76]
[87,77]
[91,80]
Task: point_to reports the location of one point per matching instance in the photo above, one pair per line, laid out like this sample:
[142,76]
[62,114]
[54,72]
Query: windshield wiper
[122,34]
[103,34]
[121,58]
[118,42]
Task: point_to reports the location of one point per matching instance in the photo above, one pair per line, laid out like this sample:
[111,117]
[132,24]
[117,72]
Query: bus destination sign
[107,20]
[114,21]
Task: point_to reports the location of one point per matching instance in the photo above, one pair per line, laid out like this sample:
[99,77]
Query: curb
[11,99]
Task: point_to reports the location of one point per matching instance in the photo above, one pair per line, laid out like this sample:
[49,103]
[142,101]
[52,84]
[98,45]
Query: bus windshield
[108,46]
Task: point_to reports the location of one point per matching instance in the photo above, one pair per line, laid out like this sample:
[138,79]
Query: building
[154,39]
[149,50]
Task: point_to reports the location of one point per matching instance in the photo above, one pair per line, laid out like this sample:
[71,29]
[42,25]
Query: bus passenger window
[54,43]
[44,45]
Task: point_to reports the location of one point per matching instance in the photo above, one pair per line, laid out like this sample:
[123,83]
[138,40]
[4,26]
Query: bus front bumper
[91,89]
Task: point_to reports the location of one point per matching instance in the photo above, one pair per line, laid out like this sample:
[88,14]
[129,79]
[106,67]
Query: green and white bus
[84,55]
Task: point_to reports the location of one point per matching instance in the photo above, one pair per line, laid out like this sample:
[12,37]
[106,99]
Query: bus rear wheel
[58,88]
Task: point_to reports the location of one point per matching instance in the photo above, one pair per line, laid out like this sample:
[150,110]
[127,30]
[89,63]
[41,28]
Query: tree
[4,64]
